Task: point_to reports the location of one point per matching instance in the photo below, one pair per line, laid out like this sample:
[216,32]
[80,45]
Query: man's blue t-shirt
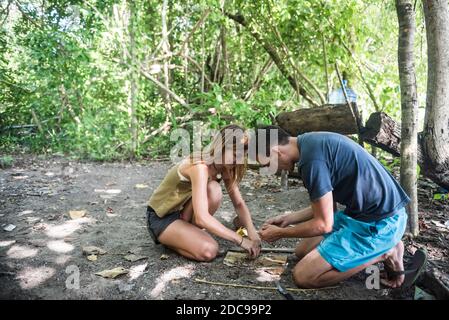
[333,162]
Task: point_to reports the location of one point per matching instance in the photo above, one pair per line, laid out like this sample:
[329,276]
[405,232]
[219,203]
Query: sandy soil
[38,257]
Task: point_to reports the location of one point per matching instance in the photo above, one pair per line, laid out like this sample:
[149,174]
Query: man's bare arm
[300,216]
[321,222]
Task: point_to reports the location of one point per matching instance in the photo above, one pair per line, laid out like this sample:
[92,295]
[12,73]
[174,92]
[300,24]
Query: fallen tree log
[383,132]
[335,118]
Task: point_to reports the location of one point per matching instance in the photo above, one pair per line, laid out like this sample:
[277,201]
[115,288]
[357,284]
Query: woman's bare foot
[394,261]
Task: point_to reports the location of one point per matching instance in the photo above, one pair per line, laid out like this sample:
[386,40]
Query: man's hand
[281,221]
[270,232]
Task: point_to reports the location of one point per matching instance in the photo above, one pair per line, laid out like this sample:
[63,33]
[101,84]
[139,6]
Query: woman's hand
[270,232]
[257,242]
[252,247]
[254,235]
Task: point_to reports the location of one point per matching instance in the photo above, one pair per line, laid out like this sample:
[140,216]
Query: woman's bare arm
[199,176]
[241,209]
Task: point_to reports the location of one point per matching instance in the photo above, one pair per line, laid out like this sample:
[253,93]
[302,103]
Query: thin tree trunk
[161,86]
[185,60]
[166,51]
[66,103]
[216,72]
[325,68]
[409,108]
[258,81]
[195,27]
[37,122]
[435,137]
[133,81]
[224,49]
[79,98]
[203,60]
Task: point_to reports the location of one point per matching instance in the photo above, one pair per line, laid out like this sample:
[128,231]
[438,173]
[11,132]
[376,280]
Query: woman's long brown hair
[224,140]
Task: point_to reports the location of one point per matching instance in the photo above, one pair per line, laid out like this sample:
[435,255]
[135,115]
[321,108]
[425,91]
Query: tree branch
[271,50]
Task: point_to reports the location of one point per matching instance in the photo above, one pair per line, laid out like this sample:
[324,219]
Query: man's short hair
[265,133]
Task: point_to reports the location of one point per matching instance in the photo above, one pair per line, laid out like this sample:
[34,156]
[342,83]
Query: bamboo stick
[236,285]
[266,249]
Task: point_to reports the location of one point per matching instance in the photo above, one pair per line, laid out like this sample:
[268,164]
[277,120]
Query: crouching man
[338,244]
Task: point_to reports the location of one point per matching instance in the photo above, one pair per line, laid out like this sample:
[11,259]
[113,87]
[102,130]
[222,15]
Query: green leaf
[440,196]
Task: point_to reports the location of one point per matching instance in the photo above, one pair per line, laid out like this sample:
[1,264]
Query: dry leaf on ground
[112,273]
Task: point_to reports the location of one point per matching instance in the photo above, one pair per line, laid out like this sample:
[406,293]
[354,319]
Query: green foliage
[70,63]
[390,164]
[440,196]
[6,161]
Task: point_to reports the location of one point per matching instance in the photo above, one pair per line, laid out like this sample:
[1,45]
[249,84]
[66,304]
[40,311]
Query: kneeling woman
[180,211]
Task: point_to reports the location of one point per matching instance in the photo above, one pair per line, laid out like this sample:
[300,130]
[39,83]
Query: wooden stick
[344,91]
[266,249]
[236,285]
[355,113]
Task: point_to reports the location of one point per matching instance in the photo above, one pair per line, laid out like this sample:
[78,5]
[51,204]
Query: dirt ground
[44,252]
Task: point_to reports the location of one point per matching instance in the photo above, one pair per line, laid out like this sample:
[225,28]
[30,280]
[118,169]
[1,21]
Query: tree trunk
[409,108]
[166,52]
[325,67]
[435,137]
[133,81]
[203,61]
[334,118]
[224,48]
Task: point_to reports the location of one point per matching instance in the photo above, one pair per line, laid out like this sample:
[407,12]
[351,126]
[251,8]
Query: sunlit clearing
[32,277]
[6,243]
[25,212]
[173,274]
[67,228]
[60,246]
[137,271]
[21,252]
[63,259]
[265,276]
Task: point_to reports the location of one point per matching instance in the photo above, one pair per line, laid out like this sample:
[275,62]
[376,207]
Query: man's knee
[214,193]
[300,251]
[300,278]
